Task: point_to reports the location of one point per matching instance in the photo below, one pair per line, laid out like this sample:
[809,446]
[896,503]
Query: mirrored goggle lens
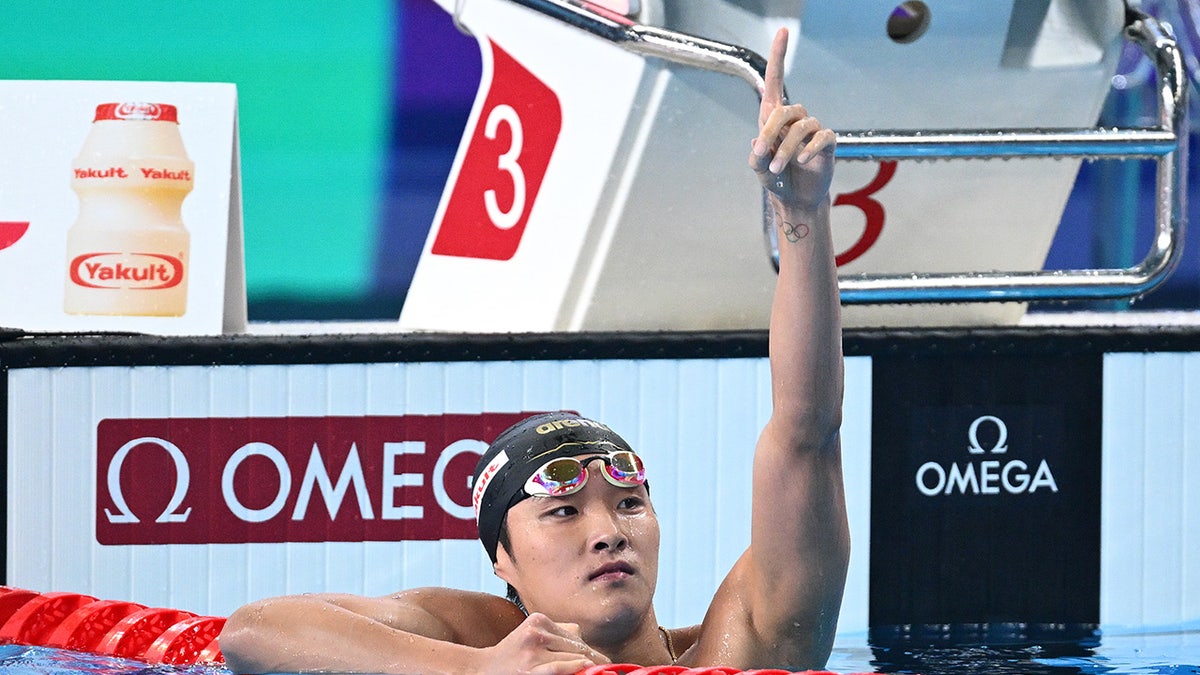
[626,469]
[558,477]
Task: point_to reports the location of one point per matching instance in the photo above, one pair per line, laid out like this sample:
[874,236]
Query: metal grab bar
[1166,143]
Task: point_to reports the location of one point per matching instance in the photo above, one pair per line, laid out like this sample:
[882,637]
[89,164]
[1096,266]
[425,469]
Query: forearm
[298,634]
[806,335]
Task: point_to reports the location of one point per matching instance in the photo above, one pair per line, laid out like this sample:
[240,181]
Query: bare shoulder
[468,617]
[727,634]
[739,632]
[440,598]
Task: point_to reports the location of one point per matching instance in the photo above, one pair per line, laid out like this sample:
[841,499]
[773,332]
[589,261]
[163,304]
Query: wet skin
[589,558]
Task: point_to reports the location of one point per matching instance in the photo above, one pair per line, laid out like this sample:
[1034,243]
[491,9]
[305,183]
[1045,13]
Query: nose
[606,533]
[614,541]
[604,527]
[605,530]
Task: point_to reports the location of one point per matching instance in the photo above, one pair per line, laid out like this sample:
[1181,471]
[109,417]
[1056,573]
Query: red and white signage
[216,480]
[113,270]
[505,161]
[544,136]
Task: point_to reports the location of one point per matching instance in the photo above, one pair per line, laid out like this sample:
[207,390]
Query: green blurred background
[313,81]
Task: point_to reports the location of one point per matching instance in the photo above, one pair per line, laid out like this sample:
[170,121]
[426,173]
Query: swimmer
[565,513]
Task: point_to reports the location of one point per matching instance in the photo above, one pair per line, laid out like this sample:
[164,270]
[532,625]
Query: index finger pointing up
[773,82]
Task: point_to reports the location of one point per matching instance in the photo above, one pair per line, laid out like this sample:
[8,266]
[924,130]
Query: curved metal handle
[1166,143]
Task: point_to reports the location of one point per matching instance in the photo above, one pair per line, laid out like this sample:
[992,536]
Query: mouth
[612,571]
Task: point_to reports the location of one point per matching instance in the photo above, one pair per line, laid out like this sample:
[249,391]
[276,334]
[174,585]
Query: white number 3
[508,163]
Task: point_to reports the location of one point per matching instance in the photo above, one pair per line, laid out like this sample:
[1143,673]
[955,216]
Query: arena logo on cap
[558,425]
[987,476]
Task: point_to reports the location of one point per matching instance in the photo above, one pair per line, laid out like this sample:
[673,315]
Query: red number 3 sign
[505,162]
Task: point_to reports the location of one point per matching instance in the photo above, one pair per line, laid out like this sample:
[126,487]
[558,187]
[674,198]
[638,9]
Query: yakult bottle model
[127,253]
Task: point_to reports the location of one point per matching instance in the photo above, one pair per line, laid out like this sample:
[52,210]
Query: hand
[540,646]
[793,153]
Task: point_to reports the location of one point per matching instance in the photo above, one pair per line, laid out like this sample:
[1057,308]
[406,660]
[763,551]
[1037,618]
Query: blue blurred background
[350,114]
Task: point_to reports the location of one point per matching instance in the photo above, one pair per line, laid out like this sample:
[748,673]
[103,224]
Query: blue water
[22,660]
[1171,651]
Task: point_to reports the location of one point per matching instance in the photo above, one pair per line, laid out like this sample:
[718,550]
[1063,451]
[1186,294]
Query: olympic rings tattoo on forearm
[794,232]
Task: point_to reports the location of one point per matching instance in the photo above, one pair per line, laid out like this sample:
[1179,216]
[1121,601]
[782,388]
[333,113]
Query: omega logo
[985,477]
[240,480]
[316,478]
[183,477]
[1001,446]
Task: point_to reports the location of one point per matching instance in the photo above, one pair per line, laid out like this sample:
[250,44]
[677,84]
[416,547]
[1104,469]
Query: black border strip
[1021,340]
[142,350]
[39,351]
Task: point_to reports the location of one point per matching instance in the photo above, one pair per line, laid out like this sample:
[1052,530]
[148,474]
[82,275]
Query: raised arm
[429,630]
[785,593]
[799,536]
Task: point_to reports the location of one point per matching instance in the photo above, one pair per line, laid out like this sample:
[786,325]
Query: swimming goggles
[567,475]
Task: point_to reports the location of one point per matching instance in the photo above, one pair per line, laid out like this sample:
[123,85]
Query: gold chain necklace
[669,643]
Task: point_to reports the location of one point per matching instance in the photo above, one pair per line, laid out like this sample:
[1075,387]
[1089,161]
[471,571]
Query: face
[589,558]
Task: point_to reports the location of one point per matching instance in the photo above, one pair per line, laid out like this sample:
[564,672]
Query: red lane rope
[11,600]
[183,642]
[37,618]
[111,627]
[84,628]
[133,635]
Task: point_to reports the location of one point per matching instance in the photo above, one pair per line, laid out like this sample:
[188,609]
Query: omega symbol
[1001,446]
[182,478]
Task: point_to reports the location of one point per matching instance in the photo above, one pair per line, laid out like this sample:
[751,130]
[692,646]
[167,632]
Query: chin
[613,621]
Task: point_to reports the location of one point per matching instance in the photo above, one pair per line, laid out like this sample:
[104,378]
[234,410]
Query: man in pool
[565,514]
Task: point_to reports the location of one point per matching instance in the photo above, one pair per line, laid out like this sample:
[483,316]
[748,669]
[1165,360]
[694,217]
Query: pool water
[1169,651]
[1173,650]
[24,660]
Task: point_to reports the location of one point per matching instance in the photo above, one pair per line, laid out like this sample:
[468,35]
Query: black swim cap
[520,450]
